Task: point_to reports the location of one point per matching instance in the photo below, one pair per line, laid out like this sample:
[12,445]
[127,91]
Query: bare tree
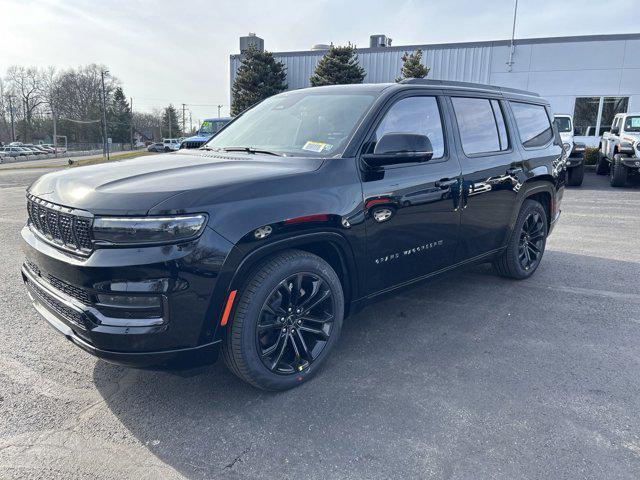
[25,83]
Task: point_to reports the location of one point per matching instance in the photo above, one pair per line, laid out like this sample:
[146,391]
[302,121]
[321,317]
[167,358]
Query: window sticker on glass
[317,146]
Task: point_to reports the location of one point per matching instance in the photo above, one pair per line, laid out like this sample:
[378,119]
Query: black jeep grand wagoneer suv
[296,214]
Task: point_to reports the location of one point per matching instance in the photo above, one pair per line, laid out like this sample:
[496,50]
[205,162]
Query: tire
[618,174]
[575,176]
[242,345]
[509,262]
[602,166]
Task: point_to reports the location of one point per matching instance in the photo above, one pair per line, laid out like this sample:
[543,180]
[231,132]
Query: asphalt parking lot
[468,377]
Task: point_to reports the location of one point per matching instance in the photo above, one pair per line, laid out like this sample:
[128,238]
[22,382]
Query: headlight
[566,147]
[147,230]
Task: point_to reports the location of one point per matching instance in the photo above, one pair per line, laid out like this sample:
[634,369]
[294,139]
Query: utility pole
[512,48]
[190,122]
[13,125]
[219,107]
[104,115]
[184,124]
[131,120]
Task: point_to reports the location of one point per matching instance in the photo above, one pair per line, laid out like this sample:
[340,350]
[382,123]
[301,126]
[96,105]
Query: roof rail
[478,86]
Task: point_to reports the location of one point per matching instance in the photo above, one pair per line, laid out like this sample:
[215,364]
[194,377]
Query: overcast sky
[178,52]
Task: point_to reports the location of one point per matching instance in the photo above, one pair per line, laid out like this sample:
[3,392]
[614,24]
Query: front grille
[52,304]
[193,144]
[62,226]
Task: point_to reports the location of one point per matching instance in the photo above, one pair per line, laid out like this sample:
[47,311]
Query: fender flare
[239,263]
[533,186]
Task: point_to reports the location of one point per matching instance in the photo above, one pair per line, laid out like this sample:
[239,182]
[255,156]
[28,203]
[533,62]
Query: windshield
[563,124]
[302,123]
[632,124]
[209,127]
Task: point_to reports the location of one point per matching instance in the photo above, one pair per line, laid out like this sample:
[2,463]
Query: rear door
[411,210]
[491,172]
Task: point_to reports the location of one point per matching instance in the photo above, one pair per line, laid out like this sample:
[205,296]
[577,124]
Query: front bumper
[631,162]
[66,291]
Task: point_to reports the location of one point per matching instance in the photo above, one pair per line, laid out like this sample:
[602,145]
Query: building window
[419,115]
[480,124]
[593,115]
[610,107]
[533,124]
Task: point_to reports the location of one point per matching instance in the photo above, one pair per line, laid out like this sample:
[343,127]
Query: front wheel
[602,165]
[618,174]
[575,175]
[286,322]
[525,248]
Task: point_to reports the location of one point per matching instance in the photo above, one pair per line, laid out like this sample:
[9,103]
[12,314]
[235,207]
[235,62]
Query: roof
[517,41]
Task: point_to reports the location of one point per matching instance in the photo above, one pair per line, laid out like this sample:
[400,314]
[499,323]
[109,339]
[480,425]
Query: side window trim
[386,107]
[455,124]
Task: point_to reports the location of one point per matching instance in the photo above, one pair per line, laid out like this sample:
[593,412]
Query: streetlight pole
[55,130]
[219,107]
[104,115]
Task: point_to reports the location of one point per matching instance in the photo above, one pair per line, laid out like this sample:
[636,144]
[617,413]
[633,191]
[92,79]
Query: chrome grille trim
[66,228]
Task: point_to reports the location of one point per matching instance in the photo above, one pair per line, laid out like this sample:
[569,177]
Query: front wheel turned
[527,243]
[286,322]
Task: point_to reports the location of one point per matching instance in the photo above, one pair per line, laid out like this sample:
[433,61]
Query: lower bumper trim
[208,351]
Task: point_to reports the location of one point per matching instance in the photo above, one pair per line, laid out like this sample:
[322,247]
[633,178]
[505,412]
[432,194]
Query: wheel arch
[542,190]
[330,246]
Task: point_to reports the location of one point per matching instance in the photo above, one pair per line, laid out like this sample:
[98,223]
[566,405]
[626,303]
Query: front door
[411,210]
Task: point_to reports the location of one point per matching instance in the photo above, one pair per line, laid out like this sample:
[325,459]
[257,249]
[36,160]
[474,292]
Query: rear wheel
[618,174]
[602,166]
[525,248]
[287,320]
[575,176]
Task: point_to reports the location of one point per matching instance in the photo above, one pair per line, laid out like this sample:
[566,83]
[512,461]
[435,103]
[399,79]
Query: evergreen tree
[170,124]
[339,66]
[119,117]
[259,76]
[412,66]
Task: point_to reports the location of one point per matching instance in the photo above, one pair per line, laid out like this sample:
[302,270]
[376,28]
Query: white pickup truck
[619,153]
[575,160]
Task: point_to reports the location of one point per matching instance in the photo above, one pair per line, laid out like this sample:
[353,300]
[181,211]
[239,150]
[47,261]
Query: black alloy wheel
[295,323]
[523,253]
[286,321]
[532,237]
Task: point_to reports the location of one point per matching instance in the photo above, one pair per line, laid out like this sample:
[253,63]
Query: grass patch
[113,157]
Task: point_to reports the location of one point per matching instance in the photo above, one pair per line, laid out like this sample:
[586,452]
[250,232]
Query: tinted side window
[419,115]
[479,126]
[533,124]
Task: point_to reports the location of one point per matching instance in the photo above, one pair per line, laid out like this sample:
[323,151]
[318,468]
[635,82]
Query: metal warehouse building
[592,77]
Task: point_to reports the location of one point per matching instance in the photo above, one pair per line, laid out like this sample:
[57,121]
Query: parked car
[15,152]
[171,144]
[33,149]
[156,147]
[208,129]
[308,206]
[618,153]
[575,163]
[59,148]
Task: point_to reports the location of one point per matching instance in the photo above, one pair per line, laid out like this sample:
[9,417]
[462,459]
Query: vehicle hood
[133,187]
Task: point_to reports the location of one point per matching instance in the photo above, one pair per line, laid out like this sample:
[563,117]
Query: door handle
[446,183]
[514,171]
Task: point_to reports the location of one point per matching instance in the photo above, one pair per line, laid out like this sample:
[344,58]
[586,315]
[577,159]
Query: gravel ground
[467,377]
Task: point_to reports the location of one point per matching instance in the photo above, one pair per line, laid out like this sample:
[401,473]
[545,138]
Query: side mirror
[615,130]
[396,148]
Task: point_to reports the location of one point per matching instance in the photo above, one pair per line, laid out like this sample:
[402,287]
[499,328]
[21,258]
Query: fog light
[129,301]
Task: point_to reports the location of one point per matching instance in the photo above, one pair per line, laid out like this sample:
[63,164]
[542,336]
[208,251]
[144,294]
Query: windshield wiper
[251,150]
